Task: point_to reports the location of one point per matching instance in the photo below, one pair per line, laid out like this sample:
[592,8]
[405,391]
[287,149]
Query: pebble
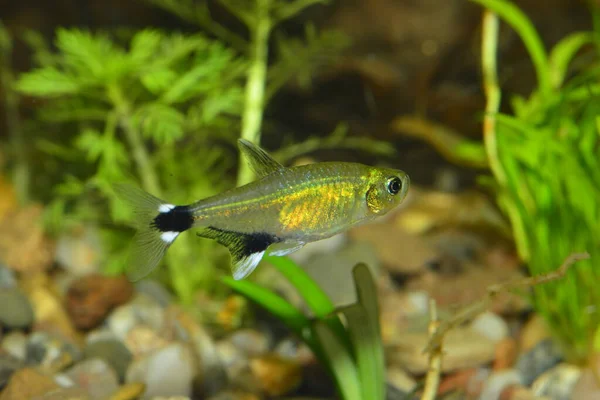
[506,354]
[211,369]
[463,348]
[586,387]
[518,392]
[459,380]
[141,310]
[534,331]
[558,382]
[142,340]
[295,350]
[79,252]
[28,383]
[7,277]
[545,355]
[389,241]
[24,246]
[155,291]
[16,311]
[491,326]
[51,351]
[498,381]
[250,342]
[130,391]
[15,344]
[229,354]
[399,379]
[115,353]
[95,376]
[70,393]
[167,372]
[8,365]
[276,376]
[48,305]
[235,395]
[90,298]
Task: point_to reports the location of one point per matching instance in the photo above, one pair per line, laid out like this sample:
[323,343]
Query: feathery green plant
[346,341]
[154,106]
[545,159]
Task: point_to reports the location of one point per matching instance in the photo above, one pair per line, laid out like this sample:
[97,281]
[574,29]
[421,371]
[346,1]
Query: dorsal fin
[260,161]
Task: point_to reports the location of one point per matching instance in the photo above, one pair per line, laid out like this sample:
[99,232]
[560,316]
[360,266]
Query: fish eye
[394,185]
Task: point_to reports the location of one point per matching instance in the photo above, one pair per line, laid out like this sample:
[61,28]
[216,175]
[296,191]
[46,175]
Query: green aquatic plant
[166,106]
[153,105]
[347,341]
[545,160]
[296,58]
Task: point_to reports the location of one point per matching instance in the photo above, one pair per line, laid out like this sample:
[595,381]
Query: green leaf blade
[365,335]
[272,303]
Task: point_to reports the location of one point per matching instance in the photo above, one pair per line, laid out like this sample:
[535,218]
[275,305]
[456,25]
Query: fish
[278,213]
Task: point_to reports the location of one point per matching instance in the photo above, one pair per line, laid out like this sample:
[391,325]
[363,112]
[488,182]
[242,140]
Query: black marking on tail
[240,244]
[178,219]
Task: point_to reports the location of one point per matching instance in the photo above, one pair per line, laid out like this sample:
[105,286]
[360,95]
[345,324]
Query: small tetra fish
[278,213]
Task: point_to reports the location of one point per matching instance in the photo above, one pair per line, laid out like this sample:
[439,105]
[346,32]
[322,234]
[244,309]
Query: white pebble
[491,326]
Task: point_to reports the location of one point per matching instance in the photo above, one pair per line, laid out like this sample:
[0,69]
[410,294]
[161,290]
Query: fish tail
[158,224]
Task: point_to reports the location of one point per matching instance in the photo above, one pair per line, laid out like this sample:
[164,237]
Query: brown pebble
[534,331]
[276,375]
[518,392]
[130,391]
[27,383]
[90,298]
[506,354]
[456,380]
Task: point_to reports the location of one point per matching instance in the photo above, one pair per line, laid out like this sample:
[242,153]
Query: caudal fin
[158,224]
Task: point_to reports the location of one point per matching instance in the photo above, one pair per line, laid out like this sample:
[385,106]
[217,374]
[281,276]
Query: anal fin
[284,248]
[246,249]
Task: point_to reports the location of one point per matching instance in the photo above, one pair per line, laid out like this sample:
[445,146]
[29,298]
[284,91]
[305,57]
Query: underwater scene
[300,199]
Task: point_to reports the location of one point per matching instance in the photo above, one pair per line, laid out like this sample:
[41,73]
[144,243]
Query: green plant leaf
[48,82]
[158,80]
[363,326]
[562,54]
[315,298]
[210,63]
[340,361]
[273,303]
[144,46]
[160,122]
[92,143]
[87,54]
[526,30]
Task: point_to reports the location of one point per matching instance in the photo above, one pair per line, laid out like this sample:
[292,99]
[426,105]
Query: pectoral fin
[246,249]
[260,161]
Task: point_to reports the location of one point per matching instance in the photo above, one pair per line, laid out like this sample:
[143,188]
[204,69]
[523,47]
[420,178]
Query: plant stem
[255,85]
[432,380]
[134,139]
[11,99]
[489,45]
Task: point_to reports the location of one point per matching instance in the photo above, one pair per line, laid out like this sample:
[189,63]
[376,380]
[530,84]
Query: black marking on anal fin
[240,244]
[244,247]
[178,219]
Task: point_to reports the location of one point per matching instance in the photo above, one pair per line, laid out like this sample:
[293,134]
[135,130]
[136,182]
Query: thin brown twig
[469,312]
[432,380]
